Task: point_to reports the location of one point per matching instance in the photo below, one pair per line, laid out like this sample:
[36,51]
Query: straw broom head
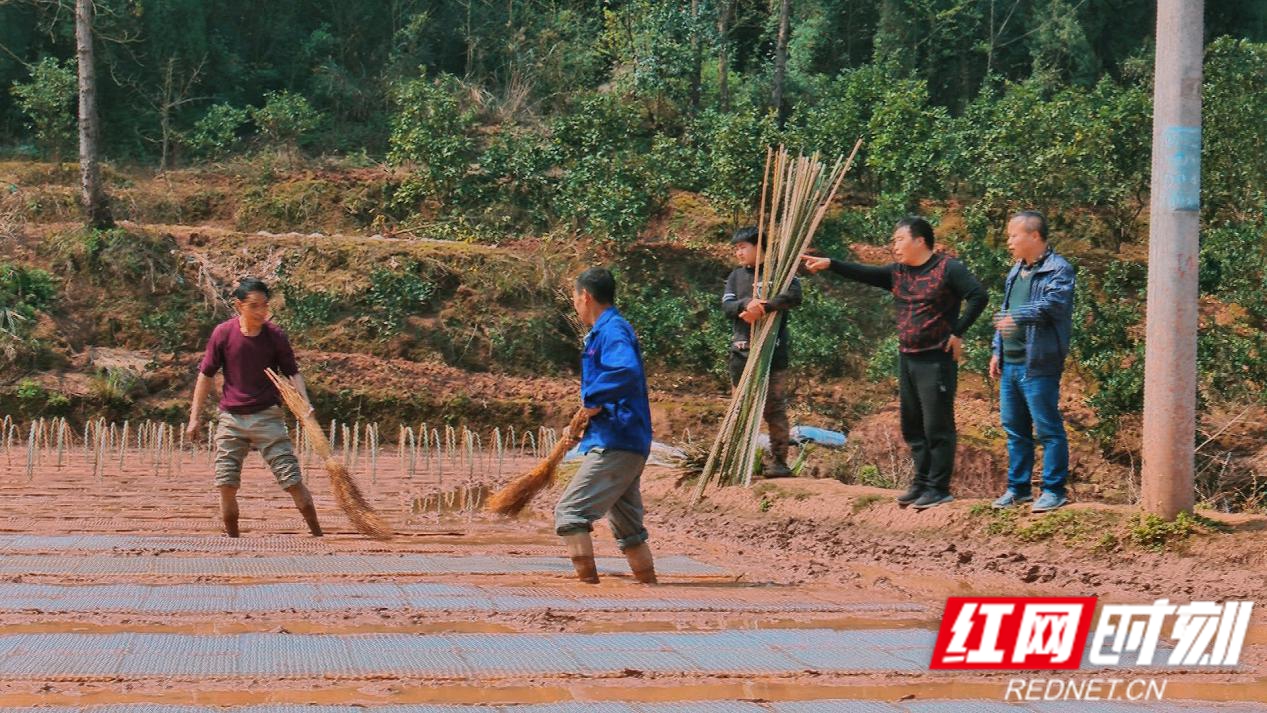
[346,493]
[515,496]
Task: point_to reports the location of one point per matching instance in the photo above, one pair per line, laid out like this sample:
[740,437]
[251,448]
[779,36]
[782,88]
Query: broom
[512,499]
[350,499]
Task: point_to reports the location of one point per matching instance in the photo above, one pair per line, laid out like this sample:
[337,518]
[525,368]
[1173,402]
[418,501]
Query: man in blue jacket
[617,440]
[1031,342]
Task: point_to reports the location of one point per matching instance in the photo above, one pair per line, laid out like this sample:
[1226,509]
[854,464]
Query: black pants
[927,384]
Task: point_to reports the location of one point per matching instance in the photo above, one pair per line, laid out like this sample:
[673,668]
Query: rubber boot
[641,563]
[581,548]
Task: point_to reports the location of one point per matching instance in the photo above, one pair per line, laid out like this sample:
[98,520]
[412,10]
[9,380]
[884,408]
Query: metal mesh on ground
[39,656]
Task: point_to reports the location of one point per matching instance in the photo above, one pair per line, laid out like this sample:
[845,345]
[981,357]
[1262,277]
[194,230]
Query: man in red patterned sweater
[928,289]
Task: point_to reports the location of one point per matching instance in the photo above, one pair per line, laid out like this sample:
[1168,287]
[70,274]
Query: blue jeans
[1030,407]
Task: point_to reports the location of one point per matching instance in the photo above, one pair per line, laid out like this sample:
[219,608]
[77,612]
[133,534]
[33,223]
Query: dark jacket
[1047,318]
[612,377]
[735,299]
[927,298]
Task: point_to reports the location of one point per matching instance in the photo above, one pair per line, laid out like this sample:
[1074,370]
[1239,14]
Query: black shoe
[932,498]
[911,495]
[778,469]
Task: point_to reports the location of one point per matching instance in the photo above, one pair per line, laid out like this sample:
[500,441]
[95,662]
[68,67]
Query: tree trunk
[723,54]
[165,116]
[96,204]
[697,57]
[780,59]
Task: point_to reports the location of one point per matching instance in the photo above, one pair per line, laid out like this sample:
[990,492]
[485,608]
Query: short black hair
[919,228]
[746,234]
[1034,221]
[247,285]
[599,283]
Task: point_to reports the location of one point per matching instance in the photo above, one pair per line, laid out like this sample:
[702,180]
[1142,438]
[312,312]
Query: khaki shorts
[265,431]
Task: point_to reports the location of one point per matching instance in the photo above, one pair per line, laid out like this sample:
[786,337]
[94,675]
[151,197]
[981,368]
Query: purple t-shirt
[244,359]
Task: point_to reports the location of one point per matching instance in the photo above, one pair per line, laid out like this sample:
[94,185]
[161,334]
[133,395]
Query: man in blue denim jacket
[617,440]
[1031,342]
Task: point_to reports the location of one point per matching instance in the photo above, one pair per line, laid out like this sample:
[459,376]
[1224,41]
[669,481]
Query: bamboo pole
[799,192]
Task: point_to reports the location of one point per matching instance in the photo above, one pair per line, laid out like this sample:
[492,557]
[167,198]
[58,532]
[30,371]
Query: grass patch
[1072,527]
[865,502]
[1158,535]
[997,522]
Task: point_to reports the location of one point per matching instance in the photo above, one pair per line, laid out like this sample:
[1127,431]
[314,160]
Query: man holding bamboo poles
[928,288]
[744,310]
[251,415]
[617,439]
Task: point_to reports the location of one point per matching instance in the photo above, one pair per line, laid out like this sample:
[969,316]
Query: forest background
[530,137]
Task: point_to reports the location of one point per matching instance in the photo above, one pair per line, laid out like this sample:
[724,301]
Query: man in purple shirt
[251,415]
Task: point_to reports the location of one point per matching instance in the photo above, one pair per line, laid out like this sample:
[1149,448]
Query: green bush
[824,332]
[516,168]
[594,124]
[138,259]
[610,196]
[48,100]
[1072,148]
[1106,342]
[840,115]
[678,328]
[535,344]
[29,392]
[1234,135]
[304,310]
[429,133]
[167,327]
[609,185]
[884,359]
[394,296]
[115,388]
[653,41]
[1153,533]
[906,136]
[23,292]
[734,156]
[216,133]
[286,118]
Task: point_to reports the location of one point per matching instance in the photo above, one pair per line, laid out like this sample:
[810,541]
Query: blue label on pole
[1182,147]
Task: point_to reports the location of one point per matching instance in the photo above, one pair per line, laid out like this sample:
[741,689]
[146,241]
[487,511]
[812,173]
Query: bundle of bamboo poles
[349,496]
[795,195]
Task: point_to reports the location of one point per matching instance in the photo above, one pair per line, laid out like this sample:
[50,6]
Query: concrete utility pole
[1170,361]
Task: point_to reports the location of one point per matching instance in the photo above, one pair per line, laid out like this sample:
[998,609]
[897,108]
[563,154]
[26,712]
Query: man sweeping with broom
[251,415]
[617,440]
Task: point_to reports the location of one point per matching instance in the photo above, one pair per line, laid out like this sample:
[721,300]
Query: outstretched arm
[875,275]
